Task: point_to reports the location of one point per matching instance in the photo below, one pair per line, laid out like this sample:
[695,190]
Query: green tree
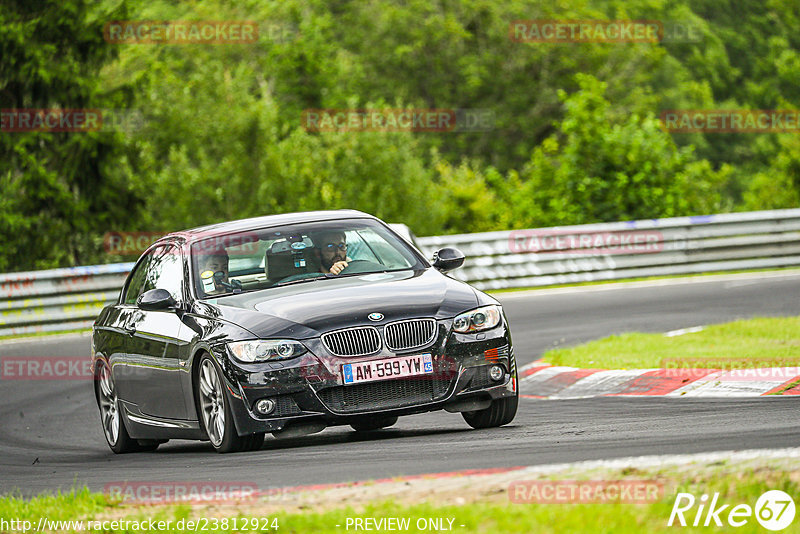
[223,136]
[596,170]
[778,188]
[57,188]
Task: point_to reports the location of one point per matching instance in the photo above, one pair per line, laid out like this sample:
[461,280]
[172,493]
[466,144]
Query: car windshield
[311,253]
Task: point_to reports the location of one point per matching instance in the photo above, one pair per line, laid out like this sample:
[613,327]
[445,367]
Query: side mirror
[156,299]
[447,259]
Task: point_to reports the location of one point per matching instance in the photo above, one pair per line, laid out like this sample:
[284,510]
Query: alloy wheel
[212,402]
[109,411]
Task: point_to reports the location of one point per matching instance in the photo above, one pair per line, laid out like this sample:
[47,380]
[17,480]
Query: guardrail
[657,247]
[57,299]
[70,299]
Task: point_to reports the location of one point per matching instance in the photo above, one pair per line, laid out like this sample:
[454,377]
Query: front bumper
[311,388]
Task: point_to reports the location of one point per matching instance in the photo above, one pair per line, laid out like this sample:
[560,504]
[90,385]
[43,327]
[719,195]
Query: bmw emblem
[375,316]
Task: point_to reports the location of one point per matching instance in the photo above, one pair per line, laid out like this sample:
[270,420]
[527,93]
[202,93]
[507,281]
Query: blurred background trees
[57,190]
[576,136]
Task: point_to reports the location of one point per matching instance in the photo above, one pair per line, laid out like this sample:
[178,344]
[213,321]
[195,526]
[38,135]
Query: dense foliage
[575,139]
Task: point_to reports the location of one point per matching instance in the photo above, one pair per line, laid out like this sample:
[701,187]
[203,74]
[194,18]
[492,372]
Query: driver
[332,250]
[213,262]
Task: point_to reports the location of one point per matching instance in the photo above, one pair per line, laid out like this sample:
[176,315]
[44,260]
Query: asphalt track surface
[50,434]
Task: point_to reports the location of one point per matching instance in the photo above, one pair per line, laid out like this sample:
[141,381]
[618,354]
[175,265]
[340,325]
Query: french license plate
[419,364]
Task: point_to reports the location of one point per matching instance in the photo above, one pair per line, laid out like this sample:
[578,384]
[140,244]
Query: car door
[155,356]
[117,332]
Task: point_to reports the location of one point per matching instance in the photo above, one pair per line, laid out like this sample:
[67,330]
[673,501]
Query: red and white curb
[398,479]
[467,478]
[544,381]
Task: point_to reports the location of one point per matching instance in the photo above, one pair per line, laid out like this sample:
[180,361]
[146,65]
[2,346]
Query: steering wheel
[362,266]
[233,285]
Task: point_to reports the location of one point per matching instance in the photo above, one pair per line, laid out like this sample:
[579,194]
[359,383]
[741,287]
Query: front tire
[150,444]
[499,413]
[367,425]
[256,441]
[215,412]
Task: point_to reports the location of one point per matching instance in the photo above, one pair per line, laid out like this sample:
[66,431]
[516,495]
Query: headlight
[475,320]
[263,350]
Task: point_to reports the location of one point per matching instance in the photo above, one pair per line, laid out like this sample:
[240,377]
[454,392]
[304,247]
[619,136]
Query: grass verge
[485,508]
[751,343]
[84,331]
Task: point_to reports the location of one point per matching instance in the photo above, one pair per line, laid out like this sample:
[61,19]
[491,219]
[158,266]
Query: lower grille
[285,406]
[383,395]
[481,378]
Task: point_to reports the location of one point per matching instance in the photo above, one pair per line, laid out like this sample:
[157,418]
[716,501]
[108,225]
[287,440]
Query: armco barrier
[57,299]
[686,245]
[67,299]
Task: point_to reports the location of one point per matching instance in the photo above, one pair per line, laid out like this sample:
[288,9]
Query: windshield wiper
[301,280]
[382,271]
[341,275]
[345,275]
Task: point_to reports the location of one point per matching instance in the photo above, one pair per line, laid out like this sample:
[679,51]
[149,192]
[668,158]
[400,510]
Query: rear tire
[501,412]
[213,408]
[114,429]
[375,423]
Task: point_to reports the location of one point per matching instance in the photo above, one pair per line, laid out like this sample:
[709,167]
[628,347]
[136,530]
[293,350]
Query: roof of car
[265,221]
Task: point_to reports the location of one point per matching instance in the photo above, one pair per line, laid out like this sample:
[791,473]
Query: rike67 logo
[774,510]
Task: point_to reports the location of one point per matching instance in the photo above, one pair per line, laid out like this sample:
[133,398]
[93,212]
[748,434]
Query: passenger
[216,261]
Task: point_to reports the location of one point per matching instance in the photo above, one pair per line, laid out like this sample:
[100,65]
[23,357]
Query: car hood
[306,310]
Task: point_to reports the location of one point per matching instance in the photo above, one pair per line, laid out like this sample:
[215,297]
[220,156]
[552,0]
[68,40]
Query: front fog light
[265,406]
[496,373]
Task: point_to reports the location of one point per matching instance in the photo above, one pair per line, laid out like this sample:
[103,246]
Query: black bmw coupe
[291,323]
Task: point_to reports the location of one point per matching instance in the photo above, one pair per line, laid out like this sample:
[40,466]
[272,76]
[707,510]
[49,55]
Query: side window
[165,271]
[136,282]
